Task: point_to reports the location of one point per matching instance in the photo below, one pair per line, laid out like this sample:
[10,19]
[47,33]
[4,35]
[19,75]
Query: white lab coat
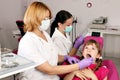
[38,50]
[62,42]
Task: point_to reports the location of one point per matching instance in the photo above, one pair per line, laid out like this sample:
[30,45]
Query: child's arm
[69,76]
[80,75]
[105,78]
[102,73]
[89,74]
[77,73]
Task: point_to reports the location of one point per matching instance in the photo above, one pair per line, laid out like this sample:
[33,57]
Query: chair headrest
[97,39]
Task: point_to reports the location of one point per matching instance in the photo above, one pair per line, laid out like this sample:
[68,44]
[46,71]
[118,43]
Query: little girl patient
[96,71]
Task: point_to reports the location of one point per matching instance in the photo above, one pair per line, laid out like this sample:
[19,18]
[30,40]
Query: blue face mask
[68,29]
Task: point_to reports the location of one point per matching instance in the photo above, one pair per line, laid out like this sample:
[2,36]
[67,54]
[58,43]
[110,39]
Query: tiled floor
[116,61]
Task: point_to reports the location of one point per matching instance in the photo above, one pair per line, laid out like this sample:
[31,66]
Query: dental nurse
[60,28]
[37,46]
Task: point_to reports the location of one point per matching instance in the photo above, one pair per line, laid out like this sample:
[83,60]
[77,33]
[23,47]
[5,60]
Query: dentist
[60,28]
[36,45]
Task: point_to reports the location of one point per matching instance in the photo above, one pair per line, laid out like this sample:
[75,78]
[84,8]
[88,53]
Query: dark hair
[61,17]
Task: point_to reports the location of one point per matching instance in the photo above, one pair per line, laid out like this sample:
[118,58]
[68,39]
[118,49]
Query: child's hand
[80,75]
[89,74]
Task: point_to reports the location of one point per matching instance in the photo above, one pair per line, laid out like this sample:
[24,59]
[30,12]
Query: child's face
[90,51]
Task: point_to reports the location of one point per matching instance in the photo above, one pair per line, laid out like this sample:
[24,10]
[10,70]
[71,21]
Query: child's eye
[93,48]
[86,47]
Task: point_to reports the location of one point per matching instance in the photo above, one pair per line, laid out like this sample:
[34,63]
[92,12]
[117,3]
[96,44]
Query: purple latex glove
[85,63]
[79,41]
[70,59]
[66,57]
[73,60]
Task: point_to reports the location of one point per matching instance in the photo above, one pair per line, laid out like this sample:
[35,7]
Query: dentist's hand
[78,42]
[85,63]
[71,60]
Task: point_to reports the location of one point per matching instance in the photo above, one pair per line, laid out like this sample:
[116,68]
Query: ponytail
[99,63]
[61,17]
[52,28]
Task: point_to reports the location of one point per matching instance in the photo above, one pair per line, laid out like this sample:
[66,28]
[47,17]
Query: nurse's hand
[71,60]
[85,63]
[78,42]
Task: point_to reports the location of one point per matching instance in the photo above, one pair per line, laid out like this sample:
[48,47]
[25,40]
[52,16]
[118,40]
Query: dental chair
[113,73]
[20,26]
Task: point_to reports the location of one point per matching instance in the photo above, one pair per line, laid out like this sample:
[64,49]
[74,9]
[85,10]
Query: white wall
[10,11]
[106,8]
